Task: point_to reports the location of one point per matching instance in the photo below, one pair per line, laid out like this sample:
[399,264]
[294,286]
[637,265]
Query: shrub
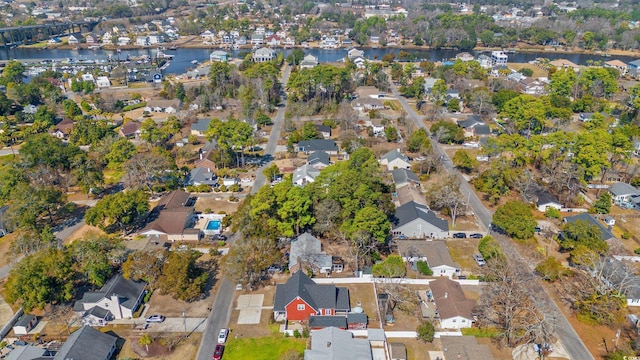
[134,106]
[296,334]
[426,332]
[552,213]
[223,188]
[626,235]
[147,297]
[637,251]
[305,332]
[234,188]
[551,269]
[423,268]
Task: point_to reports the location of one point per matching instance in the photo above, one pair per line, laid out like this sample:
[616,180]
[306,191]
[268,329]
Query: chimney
[328,344]
[446,295]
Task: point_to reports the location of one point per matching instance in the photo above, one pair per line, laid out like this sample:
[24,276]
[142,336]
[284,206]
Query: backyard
[267,348]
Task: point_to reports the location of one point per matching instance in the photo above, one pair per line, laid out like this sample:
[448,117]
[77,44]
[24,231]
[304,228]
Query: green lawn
[266,348]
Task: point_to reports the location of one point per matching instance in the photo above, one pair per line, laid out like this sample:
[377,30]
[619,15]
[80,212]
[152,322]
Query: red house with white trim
[300,298]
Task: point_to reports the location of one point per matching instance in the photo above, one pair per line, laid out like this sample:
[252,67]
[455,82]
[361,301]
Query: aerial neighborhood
[319,180]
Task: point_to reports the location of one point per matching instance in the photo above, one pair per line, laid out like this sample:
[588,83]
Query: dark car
[459,235]
[217,354]
[220,237]
[476,236]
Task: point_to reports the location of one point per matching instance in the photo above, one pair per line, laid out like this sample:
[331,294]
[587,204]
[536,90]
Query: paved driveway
[169,325]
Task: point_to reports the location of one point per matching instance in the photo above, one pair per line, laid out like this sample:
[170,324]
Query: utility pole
[184,319]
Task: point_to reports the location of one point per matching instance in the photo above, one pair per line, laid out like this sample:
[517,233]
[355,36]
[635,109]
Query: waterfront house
[274,41]
[618,65]
[219,56]
[75,39]
[257,39]
[263,54]
[498,58]
[634,68]
[142,40]
[309,62]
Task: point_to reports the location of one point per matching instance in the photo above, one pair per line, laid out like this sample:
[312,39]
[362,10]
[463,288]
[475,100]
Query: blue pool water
[213,225]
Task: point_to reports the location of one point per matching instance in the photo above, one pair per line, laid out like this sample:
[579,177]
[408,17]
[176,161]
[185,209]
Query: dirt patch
[632,225]
[499,352]
[537,72]
[417,349]
[170,307]
[217,204]
[363,295]
[5,245]
[185,349]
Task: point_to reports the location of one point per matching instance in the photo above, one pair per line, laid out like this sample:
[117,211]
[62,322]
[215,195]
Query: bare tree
[144,169]
[445,193]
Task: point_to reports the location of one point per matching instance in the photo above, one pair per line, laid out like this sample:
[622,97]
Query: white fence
[355,280]
[7,327]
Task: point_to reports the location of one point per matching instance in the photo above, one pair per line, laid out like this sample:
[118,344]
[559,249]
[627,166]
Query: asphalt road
[222,303]
[564,331]
[272,143]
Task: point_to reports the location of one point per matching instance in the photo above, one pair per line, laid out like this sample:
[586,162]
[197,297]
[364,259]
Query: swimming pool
[213,225]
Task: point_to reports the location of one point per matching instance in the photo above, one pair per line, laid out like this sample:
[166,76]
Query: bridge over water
[17,35]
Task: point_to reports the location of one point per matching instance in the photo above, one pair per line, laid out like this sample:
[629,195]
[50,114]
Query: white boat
[194,62]
[162,55]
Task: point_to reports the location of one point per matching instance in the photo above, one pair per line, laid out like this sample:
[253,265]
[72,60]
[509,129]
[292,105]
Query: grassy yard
[262,348]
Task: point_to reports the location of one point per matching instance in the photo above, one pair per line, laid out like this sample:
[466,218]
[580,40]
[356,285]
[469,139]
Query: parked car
[217,354]
[239,287]
[460,235]
[222,335]
[155,319]
[220,237]
[476,236]
[479,259]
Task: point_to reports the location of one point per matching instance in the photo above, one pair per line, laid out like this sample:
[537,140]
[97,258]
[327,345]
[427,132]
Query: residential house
[24,324]
[87,343]
[634,68]
[309,62]
[464,56]
[63,129]
[334,343]
[546,200]
[359,62]
[606,234]
[354,53]
[200,128]
[289,42]
[263,55]
[453,307]
[305,174]
[219,56]
[156,39]
[257,39]
[162,105]
[306,254]
[201,176]
[142,40]
[403,177]
[103,82]
[394,159]
[88,77]
[366,104]
[130,130]
[118,298]
[75,39]
[240,41]
[329,42]
[319,160]
[309,146]
[499,58]
[370,92]
[125,41]
[484,61]
[464,348]
[324,130]
[415,220]
[531,86]
[274,41]
[300,298]
[208,36]
[172,219]
[407,194]
[565,64]
[30,352]
[622,192]
[321,322]
[376,125]
[435,253]
[618,65]
[617,275]
[429,83]
[469,124]
[91,39]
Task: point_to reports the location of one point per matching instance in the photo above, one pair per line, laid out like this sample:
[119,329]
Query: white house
[309,62]
[622,192]
[454,308]
[263,55]
[435,253]
[499,58]
[162,105]
[117,299]
[124,41]
[417,221]
[142,40]
[545,200]
[394,159]
[305,174]
[103,82]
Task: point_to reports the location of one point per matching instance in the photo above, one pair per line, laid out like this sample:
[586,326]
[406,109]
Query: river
[184,57]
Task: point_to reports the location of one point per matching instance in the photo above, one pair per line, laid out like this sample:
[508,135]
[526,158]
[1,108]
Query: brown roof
[367,91]
[465,348]
[450,299]
[163,103]
[170,222]
[616,63]
[174,200]
[130,128]
[409,193]
[65,126]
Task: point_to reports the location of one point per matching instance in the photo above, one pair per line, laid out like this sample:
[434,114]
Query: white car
[222,335]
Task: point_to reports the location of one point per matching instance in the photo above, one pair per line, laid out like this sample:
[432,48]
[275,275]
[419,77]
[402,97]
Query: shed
[25,324]
[376,337]
[398,351]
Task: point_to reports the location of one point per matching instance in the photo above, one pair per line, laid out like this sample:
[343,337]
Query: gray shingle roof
[201,175]
[28,352]
[302,245]
[470,121]
[318,157]
[403,176]
[326,321]
[436,252]
[357,318]
[87,344]
[202,125]
[545,197]
[25,320]
[394,154]
[127,290]
[467,347]
[333,344]
[318,145]
[605,233]
[317,296]
[621,189]
[412,210]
